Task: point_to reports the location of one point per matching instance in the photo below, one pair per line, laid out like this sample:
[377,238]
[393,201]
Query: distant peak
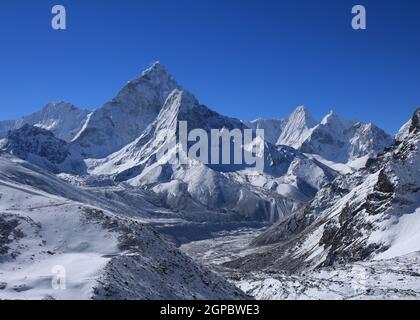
[300,109]
[369,125]
[155,68]
[59,106]
[302,115]
[54,104]
[330,116]
[158,75]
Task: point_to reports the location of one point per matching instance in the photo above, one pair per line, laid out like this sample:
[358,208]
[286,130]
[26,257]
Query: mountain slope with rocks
[99,253]
[41,147]
[371,214]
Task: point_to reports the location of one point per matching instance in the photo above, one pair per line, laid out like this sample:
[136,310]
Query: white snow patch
[404,237]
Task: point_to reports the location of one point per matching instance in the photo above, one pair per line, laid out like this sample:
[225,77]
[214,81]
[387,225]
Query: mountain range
[332,193]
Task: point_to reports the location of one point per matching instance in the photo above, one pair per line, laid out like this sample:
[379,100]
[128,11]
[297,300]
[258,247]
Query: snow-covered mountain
[289,178]
[61,118]
[91,190]
[126,116]
[297,128]
[101,254]
[138,124]
[371,214]
[334,138]
[333,141]
[341,140]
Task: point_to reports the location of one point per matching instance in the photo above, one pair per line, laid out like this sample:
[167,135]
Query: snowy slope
[393,279]
[105,256]
[402,237]
[61,118]
[126,116]
[404,131]
[371,213]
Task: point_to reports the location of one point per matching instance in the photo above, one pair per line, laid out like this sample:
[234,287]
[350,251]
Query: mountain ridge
[354,218]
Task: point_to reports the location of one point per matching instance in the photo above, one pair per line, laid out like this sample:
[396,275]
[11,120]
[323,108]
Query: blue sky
[243,58]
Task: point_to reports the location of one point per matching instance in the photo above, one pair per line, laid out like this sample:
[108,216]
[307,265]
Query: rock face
[373,213]
[125,117]
[42,148]
[61,118]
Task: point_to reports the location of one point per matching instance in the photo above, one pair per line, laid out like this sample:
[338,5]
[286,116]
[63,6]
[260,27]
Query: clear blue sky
[243,58]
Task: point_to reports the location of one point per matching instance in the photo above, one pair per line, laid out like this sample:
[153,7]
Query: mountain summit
[296,128]
[126,116]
